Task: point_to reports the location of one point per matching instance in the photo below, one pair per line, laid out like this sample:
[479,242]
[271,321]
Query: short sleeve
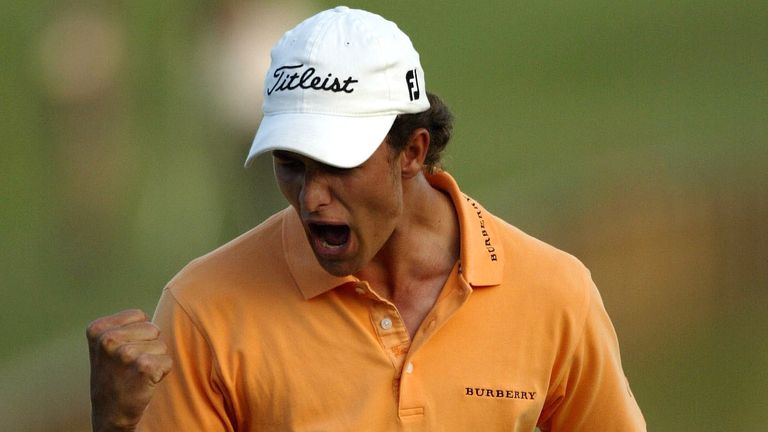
[592,393]
[189,398]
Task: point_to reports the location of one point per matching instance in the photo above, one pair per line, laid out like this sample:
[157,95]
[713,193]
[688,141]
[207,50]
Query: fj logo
[413,84]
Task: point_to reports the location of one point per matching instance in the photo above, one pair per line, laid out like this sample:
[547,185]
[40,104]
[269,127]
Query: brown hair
[438,120]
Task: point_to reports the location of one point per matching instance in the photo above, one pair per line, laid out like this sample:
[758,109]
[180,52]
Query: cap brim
[339,141]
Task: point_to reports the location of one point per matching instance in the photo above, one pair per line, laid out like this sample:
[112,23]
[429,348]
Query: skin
[322,194]
[127,361]
[403,232]
[403,240]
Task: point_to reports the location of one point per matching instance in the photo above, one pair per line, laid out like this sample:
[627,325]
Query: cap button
[340,9]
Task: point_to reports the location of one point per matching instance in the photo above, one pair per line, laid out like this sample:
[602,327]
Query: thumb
[163,364]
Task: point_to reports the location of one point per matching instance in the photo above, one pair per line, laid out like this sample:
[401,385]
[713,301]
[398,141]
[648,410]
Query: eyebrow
[290,156]
[281,154]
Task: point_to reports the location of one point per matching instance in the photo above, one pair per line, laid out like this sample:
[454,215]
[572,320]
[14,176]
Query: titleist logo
[292,77]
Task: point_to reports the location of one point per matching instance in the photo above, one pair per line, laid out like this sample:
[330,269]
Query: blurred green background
[631,134]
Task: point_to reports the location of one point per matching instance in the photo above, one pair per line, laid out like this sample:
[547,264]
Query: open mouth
[332,237]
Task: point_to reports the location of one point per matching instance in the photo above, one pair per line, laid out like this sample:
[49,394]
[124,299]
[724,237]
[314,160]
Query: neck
[422,250]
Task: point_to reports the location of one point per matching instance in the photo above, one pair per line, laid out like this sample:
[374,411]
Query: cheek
[393,193]
[384,207]
[289,191]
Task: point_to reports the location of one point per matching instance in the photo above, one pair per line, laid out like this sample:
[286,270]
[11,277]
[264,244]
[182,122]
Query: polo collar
[481,251]
[482,256]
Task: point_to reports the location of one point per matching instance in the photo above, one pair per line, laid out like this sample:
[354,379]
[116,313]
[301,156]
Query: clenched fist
[127,362]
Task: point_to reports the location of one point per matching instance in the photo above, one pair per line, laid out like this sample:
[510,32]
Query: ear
[415,151]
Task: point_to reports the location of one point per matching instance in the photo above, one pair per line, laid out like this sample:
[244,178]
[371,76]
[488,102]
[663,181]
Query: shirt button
[409,368]
[386,323]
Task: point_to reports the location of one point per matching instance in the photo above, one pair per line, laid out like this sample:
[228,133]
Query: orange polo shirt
[263,339]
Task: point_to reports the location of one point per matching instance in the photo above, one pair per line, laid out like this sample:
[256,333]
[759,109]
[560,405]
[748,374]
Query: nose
[315,192]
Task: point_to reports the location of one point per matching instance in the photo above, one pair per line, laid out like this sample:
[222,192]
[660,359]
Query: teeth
[330,246]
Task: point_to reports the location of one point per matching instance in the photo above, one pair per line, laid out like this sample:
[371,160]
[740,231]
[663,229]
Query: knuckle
[152,330]
[145,365]
[126,353]
[95,329]
[91,333]
[135,314]
[108,341]
[152,367]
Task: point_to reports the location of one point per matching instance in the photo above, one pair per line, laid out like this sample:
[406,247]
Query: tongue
[334,235]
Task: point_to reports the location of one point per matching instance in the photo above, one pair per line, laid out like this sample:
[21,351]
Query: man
[382,299]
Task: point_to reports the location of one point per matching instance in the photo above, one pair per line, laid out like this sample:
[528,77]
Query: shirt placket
[412,393]
[393,335]
[388,325]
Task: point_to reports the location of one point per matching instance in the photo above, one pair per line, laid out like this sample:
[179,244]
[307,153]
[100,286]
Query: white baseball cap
[336,83]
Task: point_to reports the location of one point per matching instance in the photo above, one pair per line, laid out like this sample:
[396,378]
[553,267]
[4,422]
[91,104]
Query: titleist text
[292,77]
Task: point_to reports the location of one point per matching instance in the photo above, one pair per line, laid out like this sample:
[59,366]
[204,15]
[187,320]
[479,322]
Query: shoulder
[235,265]
[550,290]
[552,280]
[531,271]
[537,260]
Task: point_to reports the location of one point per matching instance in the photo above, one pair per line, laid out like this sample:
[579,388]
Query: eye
[286,161]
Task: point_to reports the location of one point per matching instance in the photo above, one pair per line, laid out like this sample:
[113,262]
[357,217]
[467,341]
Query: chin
[338,268]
